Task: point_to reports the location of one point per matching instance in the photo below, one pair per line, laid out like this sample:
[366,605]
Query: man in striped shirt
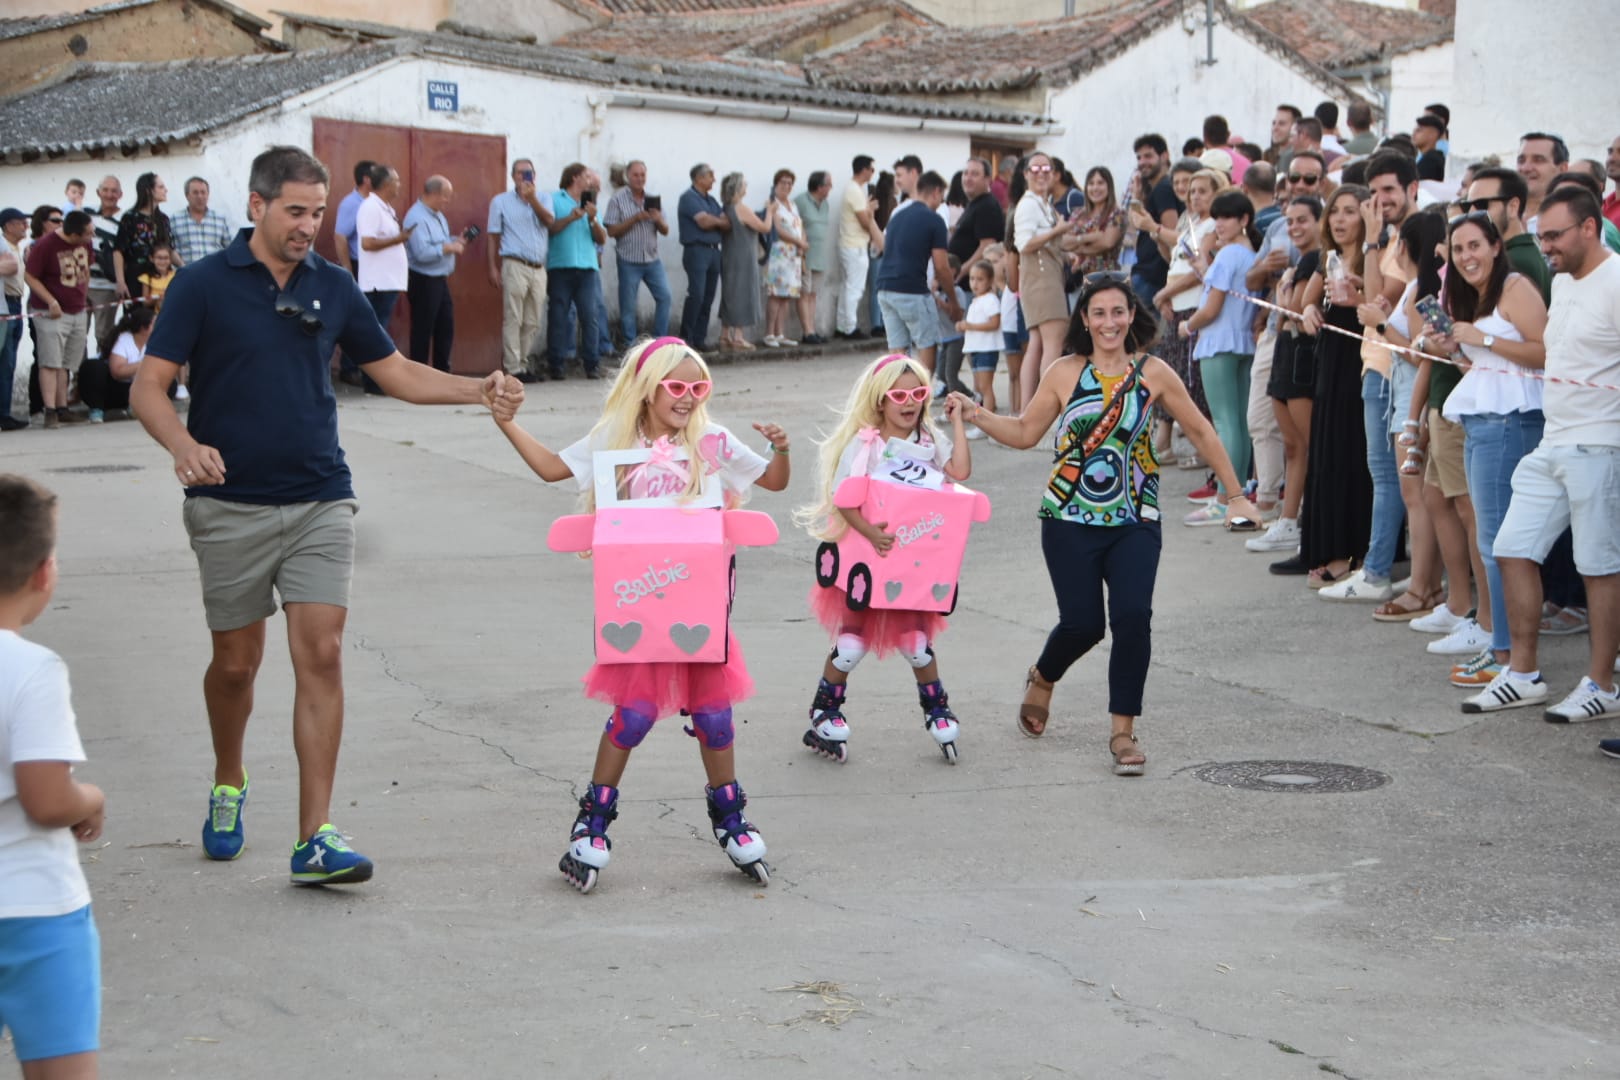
[635,230]
[199,231]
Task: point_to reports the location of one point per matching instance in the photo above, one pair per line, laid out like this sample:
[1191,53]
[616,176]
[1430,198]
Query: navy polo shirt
[914,234]
[260,392]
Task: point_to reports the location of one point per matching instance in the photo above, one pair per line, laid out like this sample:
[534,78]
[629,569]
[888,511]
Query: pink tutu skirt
[881,629]
[668,687]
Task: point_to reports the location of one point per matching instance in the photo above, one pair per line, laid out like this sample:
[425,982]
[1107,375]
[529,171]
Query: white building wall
[1546,68]
[1163,86]
[1420,78]
[551,122]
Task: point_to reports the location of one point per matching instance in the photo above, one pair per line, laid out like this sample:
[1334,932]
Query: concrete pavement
[1025,914]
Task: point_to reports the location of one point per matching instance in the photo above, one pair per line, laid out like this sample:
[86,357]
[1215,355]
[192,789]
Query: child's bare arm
[545,463]
[881,540]
[52,799]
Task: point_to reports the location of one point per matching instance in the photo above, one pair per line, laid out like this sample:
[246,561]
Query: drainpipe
[1209,35]
[1382,97]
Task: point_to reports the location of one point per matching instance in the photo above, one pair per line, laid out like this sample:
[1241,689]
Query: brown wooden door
[476,168]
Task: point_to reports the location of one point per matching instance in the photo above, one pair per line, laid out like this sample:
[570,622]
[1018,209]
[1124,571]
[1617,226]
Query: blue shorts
[984,361]
[1015,342]
[910,320]
[50,984]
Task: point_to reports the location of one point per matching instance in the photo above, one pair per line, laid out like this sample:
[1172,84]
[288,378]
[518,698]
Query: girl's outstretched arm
[960,467]
[775,476]
[546,464]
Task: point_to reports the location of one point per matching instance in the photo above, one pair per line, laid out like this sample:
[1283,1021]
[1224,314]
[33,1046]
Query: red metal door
[476,168]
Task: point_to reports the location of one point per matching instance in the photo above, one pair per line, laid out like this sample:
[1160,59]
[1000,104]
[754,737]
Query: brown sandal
[1122,767]
[1032,716]
[1395,611]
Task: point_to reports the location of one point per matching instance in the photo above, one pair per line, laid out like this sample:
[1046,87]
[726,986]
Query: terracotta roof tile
[1347,33]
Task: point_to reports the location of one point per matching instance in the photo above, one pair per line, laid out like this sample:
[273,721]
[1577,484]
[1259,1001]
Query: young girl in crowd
[981,339]
[889,401]
[657,401]
[1224,351]
[1014,334]
[155,282]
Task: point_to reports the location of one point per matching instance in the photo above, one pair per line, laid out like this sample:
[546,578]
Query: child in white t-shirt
[50,953]
[982,332]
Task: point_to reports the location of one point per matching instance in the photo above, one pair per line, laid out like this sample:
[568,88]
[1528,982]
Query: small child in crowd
[1014,334]
[50,953]
[982,329]
[155,284]
[948,367]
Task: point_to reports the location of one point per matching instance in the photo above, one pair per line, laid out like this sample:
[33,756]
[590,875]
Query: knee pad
[712,728]
[914,647]
[847,652]
[628,726]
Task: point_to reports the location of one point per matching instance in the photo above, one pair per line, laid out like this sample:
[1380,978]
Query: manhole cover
[97,468]
[1308,777]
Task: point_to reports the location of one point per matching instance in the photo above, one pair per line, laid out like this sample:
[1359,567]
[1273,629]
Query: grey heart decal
[689,639]
[891,589]
[622,637]
[941,591]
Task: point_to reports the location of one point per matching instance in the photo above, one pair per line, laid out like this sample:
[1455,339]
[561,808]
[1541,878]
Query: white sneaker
[975,434]
[181,393]
[1466,640]
[1438,621]
[770,341]
[1356,587]
[785,342]
[1506,692]
[1282,536]
[1586,702]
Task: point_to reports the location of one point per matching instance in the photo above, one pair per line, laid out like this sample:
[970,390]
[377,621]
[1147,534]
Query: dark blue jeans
[631,277]
[382,304]
[702,265]
[580,289]
[13,331]
[1081,559]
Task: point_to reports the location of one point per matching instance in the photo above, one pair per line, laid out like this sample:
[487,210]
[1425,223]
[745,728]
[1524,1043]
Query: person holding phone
[574,274]
[519,240]
[430,256]
[635,221]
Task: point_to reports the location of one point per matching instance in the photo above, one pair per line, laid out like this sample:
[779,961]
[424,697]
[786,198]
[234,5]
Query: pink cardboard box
[664,577]
[931,533]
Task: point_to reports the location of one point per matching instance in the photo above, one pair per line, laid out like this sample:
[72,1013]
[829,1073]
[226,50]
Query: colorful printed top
[1105,471]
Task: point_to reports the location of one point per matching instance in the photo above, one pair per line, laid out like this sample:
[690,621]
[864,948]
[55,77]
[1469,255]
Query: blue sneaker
[222,832]
[325,859]
[1610,747]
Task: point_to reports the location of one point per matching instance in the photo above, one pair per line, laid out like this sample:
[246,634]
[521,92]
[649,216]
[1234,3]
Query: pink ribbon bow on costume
[872,444]
[661,460]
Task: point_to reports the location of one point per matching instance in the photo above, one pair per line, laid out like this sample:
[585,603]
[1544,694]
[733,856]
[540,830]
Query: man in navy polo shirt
[269,504]
[915,241]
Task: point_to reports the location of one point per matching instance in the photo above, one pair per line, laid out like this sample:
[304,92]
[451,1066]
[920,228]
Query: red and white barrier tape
[44,313]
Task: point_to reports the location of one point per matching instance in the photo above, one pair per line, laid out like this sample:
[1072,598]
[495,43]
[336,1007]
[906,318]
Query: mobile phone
[587,196]
[527,176]
[1435,315]
[653,202]
[871,191]
[471,233]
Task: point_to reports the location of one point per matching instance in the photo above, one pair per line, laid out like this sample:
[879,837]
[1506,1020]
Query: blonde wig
[624,413]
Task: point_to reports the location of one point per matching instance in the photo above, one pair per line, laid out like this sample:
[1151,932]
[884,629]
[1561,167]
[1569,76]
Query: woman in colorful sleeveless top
[1100,511]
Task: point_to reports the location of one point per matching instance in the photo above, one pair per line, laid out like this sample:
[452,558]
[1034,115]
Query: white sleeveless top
[1495,385]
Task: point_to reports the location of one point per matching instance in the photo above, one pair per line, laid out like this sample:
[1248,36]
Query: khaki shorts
[1445,469]
[247,553]
[59,343]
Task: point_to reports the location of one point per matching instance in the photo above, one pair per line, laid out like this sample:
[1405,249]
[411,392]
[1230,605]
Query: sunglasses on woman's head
[678,388]
[1106,277]
[900,397]
[1478,217]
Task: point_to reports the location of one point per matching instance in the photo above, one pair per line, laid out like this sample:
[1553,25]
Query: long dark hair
[883,191]
[137,317]
[1421,236]
[1144,324]
[1463,302]
[956,196]
[145,190]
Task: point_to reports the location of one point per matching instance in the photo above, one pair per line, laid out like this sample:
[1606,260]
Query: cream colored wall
[987,12]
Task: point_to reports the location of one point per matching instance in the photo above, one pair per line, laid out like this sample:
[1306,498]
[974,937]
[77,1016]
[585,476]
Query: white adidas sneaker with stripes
[1506,692]
[1585,702]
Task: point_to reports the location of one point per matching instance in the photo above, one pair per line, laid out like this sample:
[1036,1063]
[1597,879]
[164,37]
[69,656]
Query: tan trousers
[523,298]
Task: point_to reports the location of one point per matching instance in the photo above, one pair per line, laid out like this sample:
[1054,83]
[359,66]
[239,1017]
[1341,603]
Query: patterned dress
[784,269]
[1105,471]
